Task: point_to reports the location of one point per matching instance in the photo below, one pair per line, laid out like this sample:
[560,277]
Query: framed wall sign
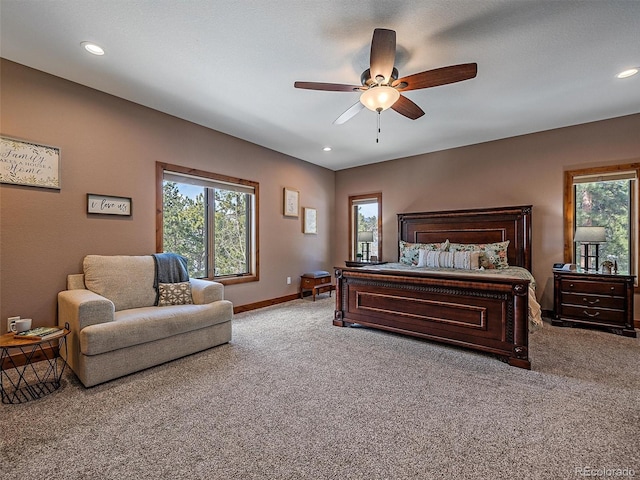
[108,205]
[291,202]
[310,224]
[27,163]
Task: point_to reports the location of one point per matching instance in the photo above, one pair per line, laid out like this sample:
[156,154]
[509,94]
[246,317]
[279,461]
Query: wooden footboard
[488,314]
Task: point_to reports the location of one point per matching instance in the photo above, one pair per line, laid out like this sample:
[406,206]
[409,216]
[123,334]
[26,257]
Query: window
[211,220]
[365,227]
[603,197]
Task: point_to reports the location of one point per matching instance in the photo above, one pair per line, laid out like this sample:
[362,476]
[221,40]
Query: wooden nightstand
[601,300]
[317,282]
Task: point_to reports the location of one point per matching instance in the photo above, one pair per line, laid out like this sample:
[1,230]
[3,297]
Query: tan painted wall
[525,170]
[110,146]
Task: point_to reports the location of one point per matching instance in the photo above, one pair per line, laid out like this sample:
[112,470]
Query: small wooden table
[34,372]
[317,282]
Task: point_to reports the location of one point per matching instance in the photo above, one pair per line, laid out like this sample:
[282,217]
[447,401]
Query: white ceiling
[231,65]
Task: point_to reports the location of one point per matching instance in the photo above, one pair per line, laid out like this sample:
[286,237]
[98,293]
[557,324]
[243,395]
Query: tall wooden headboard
[485,225]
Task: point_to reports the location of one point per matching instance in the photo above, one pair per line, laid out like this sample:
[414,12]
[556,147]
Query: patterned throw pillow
[494,255]
[174,294]
[410,252]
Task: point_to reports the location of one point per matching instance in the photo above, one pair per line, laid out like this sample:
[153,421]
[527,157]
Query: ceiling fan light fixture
[379,97]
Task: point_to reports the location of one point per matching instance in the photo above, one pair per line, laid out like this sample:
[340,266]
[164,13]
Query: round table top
[8,340]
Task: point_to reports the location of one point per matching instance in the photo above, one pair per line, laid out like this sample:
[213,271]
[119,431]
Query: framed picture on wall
[310,224]
[26,163]
[291,202]
[108,205]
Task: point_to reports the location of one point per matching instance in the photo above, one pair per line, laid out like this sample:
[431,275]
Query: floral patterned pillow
[494,255]
[410,252]
[174,294]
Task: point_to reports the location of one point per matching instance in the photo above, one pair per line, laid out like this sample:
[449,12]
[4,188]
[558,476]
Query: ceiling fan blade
[383,53]
[437,77]
[330,87]
[406,107]
[351,112]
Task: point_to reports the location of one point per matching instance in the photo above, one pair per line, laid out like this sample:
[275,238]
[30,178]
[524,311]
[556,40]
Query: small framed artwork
[291,202]
[108,205]
[310,224]
[27,163]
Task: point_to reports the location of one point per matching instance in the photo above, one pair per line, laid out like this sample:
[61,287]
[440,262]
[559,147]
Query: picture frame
[27,163]
[310,223]
[291,203]
[108,205]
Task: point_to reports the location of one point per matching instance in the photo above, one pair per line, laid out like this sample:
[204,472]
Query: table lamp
[365,238]
[590,238]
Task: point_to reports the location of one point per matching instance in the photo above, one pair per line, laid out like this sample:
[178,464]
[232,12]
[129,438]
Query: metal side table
[30,369]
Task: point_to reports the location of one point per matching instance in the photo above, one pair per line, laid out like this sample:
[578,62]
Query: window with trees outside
[211,220]
[365,227]
[604,197]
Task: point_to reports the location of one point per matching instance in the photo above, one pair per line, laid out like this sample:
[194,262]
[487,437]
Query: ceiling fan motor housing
[367,81]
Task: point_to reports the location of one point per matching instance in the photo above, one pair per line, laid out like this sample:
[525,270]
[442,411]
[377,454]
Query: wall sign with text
[108,205]
[31,164]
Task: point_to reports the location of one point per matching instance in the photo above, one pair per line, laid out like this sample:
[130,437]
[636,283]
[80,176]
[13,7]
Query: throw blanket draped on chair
[170,268]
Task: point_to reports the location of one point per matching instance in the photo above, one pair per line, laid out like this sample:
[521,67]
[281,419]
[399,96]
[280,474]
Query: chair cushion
[316,274]
[141,325]
[125,280]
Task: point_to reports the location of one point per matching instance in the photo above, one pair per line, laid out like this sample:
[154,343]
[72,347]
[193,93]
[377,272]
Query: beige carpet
[293,397]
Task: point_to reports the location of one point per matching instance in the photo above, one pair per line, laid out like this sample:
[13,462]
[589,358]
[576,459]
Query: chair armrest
[206,291]
[81,308]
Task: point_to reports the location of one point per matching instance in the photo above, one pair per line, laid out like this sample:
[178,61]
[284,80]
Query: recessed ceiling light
[327,149]
[93,48]
[627,73]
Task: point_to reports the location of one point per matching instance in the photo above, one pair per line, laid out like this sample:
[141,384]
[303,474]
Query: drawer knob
[571,285]
[612,288]
[592,315]
[593,302]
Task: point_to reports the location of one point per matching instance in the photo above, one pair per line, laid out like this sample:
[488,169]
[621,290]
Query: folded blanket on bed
[170,268]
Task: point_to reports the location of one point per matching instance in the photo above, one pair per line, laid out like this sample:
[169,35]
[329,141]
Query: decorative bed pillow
[174,294]
[410,252]
[469,260]
[493,255]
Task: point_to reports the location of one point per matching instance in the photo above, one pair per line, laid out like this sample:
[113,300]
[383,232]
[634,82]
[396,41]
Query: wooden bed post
[520,356]
[338,314]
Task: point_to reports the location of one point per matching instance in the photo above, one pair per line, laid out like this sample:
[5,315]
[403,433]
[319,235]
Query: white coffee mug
[21,325]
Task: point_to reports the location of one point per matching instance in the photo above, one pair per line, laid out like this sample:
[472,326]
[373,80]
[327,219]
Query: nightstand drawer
[309,283]
[594,314]
[593,301]
[572,285]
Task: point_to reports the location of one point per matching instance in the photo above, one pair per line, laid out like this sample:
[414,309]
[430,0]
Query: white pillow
[461,260]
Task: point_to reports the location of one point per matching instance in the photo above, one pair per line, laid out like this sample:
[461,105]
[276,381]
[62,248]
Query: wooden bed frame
[488,314]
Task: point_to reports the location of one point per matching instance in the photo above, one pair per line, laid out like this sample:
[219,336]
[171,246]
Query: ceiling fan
[381,86]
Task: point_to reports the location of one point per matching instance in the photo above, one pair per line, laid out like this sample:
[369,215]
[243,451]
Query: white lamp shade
[365,236]
[589,235]
[379,97]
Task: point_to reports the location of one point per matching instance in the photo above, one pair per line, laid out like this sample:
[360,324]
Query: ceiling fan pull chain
[378,134]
